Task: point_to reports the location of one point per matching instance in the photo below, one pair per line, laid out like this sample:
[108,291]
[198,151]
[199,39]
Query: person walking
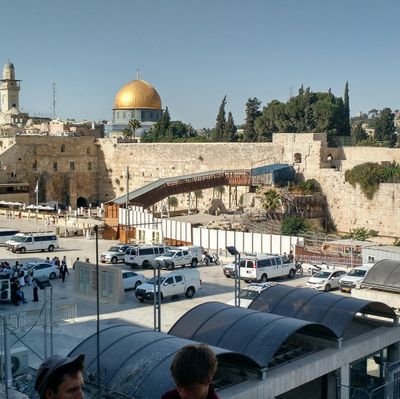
[35,291]
[63,270]
[60,377]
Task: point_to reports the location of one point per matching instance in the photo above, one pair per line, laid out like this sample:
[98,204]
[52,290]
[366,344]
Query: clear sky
[195,52]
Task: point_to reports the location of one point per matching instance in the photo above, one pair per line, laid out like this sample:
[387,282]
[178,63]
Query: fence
[31,318]
[210,239]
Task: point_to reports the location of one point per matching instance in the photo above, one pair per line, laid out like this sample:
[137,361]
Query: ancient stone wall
[70,168]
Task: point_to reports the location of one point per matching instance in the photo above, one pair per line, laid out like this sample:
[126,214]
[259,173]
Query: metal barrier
[30,318]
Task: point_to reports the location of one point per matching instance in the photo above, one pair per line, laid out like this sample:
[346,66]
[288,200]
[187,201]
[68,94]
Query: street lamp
[233,251]
[96,231]
[37,198]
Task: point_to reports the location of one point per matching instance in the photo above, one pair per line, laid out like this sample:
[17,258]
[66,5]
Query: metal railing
[30,318]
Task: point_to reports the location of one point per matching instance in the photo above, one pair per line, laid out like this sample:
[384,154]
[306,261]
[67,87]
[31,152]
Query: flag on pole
[37,187]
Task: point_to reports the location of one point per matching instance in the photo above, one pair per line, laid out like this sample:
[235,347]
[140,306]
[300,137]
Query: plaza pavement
[67,335]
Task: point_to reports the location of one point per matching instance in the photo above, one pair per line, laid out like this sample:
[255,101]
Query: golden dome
[137,94]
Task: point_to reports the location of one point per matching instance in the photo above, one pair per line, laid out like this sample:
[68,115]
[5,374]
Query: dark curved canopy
[333,311]
[254,334]
[384,275]
[136,362]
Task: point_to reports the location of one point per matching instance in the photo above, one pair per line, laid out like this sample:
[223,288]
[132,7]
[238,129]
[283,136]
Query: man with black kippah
[60,377]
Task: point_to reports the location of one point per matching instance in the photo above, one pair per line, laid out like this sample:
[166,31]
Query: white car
[325,280]
[132,280]
[41,269]
[250,292]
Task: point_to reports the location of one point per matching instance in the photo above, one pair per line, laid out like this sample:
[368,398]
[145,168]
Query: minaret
[9,89]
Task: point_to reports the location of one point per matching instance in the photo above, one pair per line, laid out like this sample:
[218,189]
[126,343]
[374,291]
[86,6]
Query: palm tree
[133,125]
[271,200]
[220,190]
[198,194]
[172,201]
[127,133]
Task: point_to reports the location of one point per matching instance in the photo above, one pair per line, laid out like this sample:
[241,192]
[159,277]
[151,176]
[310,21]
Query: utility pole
[54,100]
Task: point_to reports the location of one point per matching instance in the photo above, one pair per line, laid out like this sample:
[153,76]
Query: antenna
[54,100]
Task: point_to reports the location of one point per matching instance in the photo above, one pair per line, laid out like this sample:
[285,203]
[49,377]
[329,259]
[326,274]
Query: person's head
[193,369]
[60,377]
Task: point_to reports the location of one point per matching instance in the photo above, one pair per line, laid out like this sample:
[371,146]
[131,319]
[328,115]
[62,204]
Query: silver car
[115,254]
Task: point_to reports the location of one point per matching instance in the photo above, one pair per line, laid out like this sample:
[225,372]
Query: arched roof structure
[135,362]
[384,275]
[254,334]
[335,312]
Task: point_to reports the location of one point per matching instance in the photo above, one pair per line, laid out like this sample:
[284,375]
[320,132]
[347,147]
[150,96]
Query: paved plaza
[66,335]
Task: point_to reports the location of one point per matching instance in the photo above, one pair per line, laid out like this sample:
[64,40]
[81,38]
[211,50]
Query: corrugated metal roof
[336,312]
[254,334]
[136,362]
[384,275]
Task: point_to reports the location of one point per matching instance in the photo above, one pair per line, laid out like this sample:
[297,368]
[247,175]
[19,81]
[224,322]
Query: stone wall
[99,173]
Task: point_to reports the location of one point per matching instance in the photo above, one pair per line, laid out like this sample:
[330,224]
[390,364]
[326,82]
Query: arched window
[62,147]
[297,157]
[88,150]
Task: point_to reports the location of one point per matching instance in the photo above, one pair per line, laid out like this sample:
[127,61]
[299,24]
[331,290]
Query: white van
[23,242]
[144,256]
[354,277]
[184,281]
[263,267]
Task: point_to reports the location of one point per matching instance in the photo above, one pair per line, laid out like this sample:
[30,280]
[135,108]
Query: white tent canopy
[10,203]
[40,207]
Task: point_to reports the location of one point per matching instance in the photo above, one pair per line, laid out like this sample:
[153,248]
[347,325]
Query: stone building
[138,100]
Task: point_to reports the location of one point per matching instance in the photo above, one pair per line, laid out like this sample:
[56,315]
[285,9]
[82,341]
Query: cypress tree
[346,116]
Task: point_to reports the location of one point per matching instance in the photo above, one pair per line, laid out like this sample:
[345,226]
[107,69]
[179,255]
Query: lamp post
[233,251]
[126,205]
[37,198]
[96,231]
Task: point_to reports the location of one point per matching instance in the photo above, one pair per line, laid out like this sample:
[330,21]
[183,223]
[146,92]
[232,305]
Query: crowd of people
[21,277]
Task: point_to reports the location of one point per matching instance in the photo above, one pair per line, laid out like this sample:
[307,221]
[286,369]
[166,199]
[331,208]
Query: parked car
[132,280]
[250,292]
[41,269]
[185,281]
[115,254]
[325,280]
[354,277]
[229,270]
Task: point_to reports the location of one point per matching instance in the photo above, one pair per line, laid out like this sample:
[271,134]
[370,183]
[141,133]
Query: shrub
[294,226]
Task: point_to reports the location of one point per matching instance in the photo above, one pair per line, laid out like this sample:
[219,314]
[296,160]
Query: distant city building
[138,100]
[10,113]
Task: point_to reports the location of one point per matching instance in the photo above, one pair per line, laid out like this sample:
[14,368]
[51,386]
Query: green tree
[172,202]
[384,127]
[252,113]
[219,131]
[295,226]
[230,129]
[271,200]
[358,133]
[346,116]
[134,124]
